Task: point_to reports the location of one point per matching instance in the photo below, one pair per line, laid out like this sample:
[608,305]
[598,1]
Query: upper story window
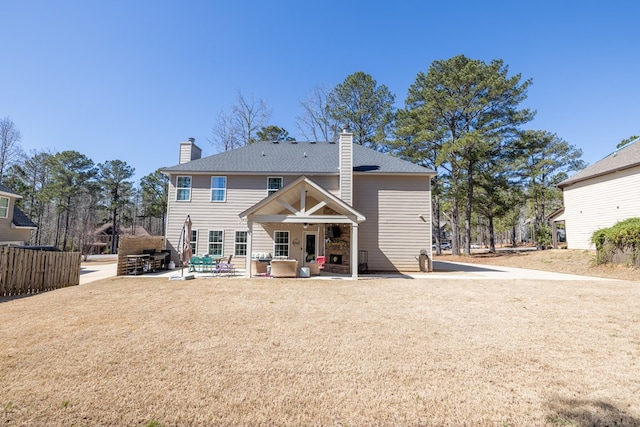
[218,188]
[274,183]
[183,186]
[4,207]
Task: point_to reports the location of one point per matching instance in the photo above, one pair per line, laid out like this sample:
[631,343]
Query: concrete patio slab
[442,271]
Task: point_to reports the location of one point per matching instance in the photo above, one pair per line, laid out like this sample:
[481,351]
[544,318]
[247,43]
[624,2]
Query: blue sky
[131,79]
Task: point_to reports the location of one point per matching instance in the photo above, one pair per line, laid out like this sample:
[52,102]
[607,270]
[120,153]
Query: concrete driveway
[459,270]
[92,272]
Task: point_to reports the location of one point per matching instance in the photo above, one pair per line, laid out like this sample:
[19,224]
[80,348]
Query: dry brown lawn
[144,351]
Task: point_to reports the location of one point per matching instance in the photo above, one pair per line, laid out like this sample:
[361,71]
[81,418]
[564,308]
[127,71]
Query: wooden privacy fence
[24,271]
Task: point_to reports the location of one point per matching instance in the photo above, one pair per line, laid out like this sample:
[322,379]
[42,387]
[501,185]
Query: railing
[24,271]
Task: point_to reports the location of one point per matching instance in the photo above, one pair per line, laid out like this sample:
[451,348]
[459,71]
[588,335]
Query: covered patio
[315,223]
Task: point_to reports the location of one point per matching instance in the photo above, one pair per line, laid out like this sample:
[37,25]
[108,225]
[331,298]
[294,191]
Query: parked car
[475,246]
[443,245]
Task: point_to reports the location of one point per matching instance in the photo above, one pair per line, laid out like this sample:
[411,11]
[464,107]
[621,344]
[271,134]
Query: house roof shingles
[20,219]
[105,229]
[624,158]
[7,190]
[299,158]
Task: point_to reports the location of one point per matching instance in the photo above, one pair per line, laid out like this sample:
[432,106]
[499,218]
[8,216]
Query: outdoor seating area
[213,265]
[148,261]
[262,265]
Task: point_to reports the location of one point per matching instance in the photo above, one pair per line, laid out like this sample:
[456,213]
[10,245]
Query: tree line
[462,118]
[68,196]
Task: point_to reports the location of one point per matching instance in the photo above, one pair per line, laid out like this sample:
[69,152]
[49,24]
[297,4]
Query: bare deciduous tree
[10,150]
[239,127]
[224,132]
[316,123]
[249,117]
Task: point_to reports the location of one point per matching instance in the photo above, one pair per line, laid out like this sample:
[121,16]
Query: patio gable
[302,201]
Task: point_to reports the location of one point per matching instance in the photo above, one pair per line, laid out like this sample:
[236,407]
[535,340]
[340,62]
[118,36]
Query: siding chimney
[189,151]
[346,167]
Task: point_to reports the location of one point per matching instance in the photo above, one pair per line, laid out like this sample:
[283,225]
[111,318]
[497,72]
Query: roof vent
[304,154]
[276,142]
[263,153]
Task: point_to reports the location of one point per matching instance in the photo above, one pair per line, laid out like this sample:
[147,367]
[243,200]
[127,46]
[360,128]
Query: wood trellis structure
[131,245]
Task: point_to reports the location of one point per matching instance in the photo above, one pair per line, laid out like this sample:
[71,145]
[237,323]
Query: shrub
[544,237]
[624,236]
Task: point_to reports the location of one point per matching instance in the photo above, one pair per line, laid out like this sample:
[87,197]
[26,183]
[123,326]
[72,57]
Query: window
[218,188]
[4,207]
[215,243]
[240,245]
[281,244]
[183,186]
[274,183]
[194,242]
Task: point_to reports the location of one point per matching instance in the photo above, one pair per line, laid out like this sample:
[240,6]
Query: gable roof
[20,219]
[297,157]
[289,196]
[623,158]
[105,229]
[9,192]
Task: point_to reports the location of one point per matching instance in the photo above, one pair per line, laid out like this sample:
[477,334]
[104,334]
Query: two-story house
[354,205]
[601,195]
[15,226]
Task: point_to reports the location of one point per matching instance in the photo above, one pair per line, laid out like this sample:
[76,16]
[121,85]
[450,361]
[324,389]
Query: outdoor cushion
[284,268]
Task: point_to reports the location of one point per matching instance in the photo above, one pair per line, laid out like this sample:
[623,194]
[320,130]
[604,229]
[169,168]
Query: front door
[310,247]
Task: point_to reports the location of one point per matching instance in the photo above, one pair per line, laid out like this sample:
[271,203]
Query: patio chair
[259,268]
[315,267]
[208,265]
[226,267]
[195,264]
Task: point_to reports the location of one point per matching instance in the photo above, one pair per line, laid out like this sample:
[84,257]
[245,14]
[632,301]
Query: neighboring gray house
[15,226]
[601,195]
[301,200]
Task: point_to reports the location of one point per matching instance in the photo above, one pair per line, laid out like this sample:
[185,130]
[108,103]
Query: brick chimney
[346,167]
[189,151]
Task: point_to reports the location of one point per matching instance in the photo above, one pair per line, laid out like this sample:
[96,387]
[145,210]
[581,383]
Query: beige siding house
[361,209]
[601,195]
[15,226]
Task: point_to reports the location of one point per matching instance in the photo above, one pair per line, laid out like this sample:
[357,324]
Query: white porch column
[354,251]
[247,272]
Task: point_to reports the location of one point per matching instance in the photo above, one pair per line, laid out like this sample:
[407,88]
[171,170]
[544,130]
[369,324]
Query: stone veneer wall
[338,246]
